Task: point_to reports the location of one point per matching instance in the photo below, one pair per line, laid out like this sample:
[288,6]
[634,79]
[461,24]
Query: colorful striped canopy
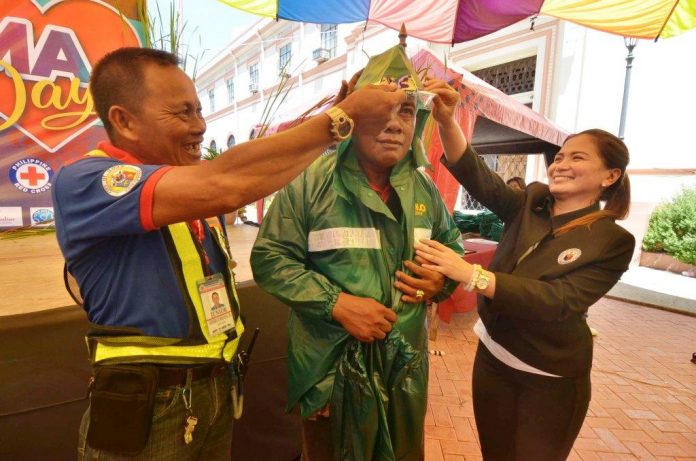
[454,21]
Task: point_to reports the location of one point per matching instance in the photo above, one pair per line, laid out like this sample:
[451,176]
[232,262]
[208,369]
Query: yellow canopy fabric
[683,19]
[266,8]
[630,18]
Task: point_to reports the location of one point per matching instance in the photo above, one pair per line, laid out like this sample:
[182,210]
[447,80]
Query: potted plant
[670,241]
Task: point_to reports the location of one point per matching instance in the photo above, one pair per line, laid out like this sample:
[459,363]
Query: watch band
[341,123]
[475,274]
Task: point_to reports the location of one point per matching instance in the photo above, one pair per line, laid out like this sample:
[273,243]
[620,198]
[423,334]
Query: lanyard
[198,231]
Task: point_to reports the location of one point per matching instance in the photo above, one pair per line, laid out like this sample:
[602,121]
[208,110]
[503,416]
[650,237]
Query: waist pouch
[121,402]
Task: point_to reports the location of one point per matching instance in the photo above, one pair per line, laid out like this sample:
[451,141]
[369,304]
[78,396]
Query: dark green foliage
[672,228]
[465,222]
[486,223]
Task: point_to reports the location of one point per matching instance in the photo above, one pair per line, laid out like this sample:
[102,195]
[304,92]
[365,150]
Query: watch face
[344,129]
[482,282]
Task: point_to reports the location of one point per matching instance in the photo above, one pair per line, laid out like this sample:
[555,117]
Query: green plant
[276,99]
[211,153]
[27,231]
[166,32]
[672,228]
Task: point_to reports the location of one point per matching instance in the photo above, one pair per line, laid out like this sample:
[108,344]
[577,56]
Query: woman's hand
[445,101]
[444,106]
[444,260]
[347,87]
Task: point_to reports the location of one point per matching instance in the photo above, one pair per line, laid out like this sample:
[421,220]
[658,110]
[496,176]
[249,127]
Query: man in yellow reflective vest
[133,222]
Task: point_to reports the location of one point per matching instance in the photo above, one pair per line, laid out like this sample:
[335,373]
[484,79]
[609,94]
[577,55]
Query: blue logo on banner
[31,175]
[42,215]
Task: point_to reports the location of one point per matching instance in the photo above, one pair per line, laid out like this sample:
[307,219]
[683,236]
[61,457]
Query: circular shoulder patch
[569,255]
[120,179]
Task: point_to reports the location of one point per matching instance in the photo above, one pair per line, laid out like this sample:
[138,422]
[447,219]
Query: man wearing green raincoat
[336,246]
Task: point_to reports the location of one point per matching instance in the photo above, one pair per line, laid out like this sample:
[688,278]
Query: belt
[177,376]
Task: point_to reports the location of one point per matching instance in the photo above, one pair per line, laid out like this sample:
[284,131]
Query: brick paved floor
[644,388]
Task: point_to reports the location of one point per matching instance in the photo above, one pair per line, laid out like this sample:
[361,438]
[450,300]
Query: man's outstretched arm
[253,170]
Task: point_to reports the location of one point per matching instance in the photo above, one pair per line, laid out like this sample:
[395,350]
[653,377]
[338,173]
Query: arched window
[231,141]
[213,145]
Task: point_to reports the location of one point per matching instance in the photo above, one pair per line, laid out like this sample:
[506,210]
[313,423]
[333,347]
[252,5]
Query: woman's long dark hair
[614,154]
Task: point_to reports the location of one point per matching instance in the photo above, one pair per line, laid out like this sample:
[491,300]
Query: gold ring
[419,294]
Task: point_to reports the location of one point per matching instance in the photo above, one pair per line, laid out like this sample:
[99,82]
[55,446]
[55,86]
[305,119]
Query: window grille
[329,38]
[211,99]
[254,74]
[506,166]
[284,55]
[230,90]
[511,77]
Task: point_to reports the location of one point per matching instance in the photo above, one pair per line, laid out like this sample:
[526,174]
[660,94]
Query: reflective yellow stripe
[192,270]
[154,349]
[217,231]
[203,351]
[169,350]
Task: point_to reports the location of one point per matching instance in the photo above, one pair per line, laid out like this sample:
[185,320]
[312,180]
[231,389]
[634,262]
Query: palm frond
[27,231]
[276,99]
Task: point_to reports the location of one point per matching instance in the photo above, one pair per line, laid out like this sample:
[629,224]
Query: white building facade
[570,74]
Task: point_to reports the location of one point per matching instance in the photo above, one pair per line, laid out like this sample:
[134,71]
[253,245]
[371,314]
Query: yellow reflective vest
[111,345]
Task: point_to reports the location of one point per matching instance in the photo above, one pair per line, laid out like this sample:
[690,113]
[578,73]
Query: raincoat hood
[394,66]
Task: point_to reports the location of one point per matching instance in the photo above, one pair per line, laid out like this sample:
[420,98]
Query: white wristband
[475,274]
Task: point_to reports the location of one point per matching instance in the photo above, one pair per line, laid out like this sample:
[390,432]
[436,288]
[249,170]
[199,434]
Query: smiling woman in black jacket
[560,252]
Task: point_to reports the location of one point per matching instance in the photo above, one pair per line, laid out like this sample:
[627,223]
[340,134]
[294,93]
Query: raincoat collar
[348,177]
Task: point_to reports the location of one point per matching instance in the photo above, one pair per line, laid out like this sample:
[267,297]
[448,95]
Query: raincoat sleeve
[280,254]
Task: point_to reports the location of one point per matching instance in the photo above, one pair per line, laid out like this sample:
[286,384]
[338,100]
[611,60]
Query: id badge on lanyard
[216,304]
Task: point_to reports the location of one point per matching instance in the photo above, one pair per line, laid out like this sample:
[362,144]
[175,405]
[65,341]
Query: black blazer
[539,302]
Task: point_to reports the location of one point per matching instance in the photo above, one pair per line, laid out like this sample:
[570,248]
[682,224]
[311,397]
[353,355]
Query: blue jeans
[212,437]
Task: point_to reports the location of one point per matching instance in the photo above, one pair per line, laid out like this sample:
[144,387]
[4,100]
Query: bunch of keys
[191,420]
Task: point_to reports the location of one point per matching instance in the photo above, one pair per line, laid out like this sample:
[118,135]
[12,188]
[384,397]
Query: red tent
[493,122]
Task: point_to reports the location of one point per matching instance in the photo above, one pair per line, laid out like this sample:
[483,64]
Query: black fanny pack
[121,402]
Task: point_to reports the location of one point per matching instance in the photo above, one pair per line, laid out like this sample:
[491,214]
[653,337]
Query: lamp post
[630,43]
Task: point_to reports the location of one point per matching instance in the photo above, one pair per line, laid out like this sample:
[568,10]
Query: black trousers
[523,416]
[316,439]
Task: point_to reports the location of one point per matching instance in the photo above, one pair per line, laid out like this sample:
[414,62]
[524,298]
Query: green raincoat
[328,232]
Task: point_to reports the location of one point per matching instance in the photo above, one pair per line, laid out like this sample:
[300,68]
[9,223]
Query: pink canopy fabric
[478,99]
[454,21]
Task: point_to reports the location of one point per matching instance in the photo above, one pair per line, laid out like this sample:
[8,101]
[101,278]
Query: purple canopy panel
[476,18]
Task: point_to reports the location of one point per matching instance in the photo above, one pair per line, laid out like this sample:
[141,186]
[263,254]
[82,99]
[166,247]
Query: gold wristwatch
[482,280]
[341,123]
